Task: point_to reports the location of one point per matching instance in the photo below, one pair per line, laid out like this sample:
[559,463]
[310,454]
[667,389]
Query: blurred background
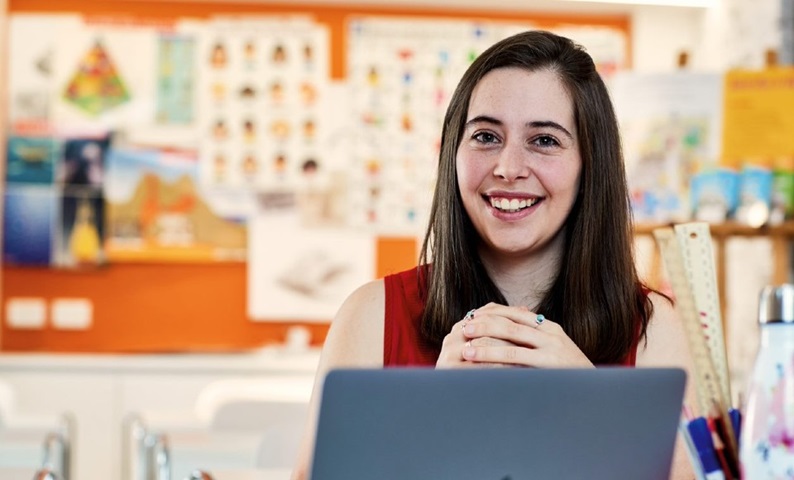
[191,188]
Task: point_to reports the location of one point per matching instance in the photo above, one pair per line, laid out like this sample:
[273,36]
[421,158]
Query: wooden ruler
[688,256]
[685,260]
[697,250]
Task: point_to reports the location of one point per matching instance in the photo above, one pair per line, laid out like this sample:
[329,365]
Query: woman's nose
[512,163]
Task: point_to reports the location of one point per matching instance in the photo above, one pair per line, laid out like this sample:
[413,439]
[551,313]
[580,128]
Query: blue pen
[736,422]
[701,437]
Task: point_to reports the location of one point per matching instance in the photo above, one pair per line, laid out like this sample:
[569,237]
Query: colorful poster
[300,272]
[80,178]
[176,79]
[96,86]
[401,74]
[97,83]
[262,88]
[758,120]
[670,126]
[29,217]
[157,212]
[82,228]
[31,160]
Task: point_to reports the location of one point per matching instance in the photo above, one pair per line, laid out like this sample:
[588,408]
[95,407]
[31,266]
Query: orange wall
[178,307]
[162,307]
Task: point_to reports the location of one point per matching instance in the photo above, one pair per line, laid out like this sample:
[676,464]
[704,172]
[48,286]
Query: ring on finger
[539,319]
[470,314]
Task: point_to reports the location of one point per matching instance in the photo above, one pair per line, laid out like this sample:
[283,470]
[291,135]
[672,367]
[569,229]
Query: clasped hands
[497,335]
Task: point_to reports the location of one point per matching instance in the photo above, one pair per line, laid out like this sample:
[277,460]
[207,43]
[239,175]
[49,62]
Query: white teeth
[512,206]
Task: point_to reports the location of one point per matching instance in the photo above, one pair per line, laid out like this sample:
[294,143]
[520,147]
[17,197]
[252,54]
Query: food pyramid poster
[96,86]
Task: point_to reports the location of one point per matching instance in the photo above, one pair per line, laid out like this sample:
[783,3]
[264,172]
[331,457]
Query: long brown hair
[596,296]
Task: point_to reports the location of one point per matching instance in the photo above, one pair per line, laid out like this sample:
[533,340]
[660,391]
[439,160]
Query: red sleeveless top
[403,344]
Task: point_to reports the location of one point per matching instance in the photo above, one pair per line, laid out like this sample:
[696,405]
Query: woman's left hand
[534,341]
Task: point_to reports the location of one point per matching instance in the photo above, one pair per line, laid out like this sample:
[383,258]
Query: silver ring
[539,319]
[469,314]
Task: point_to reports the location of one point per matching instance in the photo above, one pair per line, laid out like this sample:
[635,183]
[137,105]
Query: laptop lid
[501,424]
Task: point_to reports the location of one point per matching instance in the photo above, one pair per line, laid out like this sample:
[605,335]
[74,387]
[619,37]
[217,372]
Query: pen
[736,422]
[728,440]
[700,434]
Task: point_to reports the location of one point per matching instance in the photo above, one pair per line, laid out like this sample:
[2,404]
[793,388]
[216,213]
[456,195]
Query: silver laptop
[498,424]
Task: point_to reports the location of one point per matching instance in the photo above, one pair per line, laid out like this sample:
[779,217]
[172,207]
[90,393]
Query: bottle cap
[776,304]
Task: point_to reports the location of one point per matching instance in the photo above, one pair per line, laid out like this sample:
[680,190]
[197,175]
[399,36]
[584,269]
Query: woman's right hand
[451,355]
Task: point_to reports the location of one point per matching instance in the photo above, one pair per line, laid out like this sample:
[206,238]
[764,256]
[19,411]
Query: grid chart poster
[262,80]
[401,75]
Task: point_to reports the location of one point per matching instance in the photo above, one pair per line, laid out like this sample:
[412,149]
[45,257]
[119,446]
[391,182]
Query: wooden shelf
[728,229]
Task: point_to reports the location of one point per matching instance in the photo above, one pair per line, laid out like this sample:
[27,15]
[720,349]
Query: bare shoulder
[667,345]
[665,342]
[356,334]
[355,339]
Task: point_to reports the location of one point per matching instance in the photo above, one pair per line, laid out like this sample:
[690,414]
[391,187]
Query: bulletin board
[184,306]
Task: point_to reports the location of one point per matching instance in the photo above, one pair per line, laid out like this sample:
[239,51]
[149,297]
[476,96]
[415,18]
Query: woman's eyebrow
[550,124]
[483,119]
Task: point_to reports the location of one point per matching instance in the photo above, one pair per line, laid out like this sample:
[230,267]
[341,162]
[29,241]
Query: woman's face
[518,162]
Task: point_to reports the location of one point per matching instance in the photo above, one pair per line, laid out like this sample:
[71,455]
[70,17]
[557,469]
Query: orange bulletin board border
[190,307]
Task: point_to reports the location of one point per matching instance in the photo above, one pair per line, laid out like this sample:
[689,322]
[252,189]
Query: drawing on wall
[671,134]
[156,211]
[96,85]
[82,228]
[302,273]
[104,75]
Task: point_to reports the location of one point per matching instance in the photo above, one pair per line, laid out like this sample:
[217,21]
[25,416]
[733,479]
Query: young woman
[528,259]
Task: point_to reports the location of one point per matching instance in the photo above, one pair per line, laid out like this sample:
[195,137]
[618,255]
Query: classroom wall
[178,307]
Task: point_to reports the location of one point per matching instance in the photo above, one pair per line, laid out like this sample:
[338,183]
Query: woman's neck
[524,280]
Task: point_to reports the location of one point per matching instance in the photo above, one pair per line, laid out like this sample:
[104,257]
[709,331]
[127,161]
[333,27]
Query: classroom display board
[268,158]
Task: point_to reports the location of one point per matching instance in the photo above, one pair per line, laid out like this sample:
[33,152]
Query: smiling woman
[518,162]
[530,233]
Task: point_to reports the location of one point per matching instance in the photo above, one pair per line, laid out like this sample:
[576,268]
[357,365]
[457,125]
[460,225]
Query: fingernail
[468,352]
[468,329]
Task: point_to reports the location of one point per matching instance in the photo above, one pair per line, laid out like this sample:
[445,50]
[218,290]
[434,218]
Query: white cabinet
[100,390]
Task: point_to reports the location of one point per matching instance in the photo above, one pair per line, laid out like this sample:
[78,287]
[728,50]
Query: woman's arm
[355,339]
[667,346]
